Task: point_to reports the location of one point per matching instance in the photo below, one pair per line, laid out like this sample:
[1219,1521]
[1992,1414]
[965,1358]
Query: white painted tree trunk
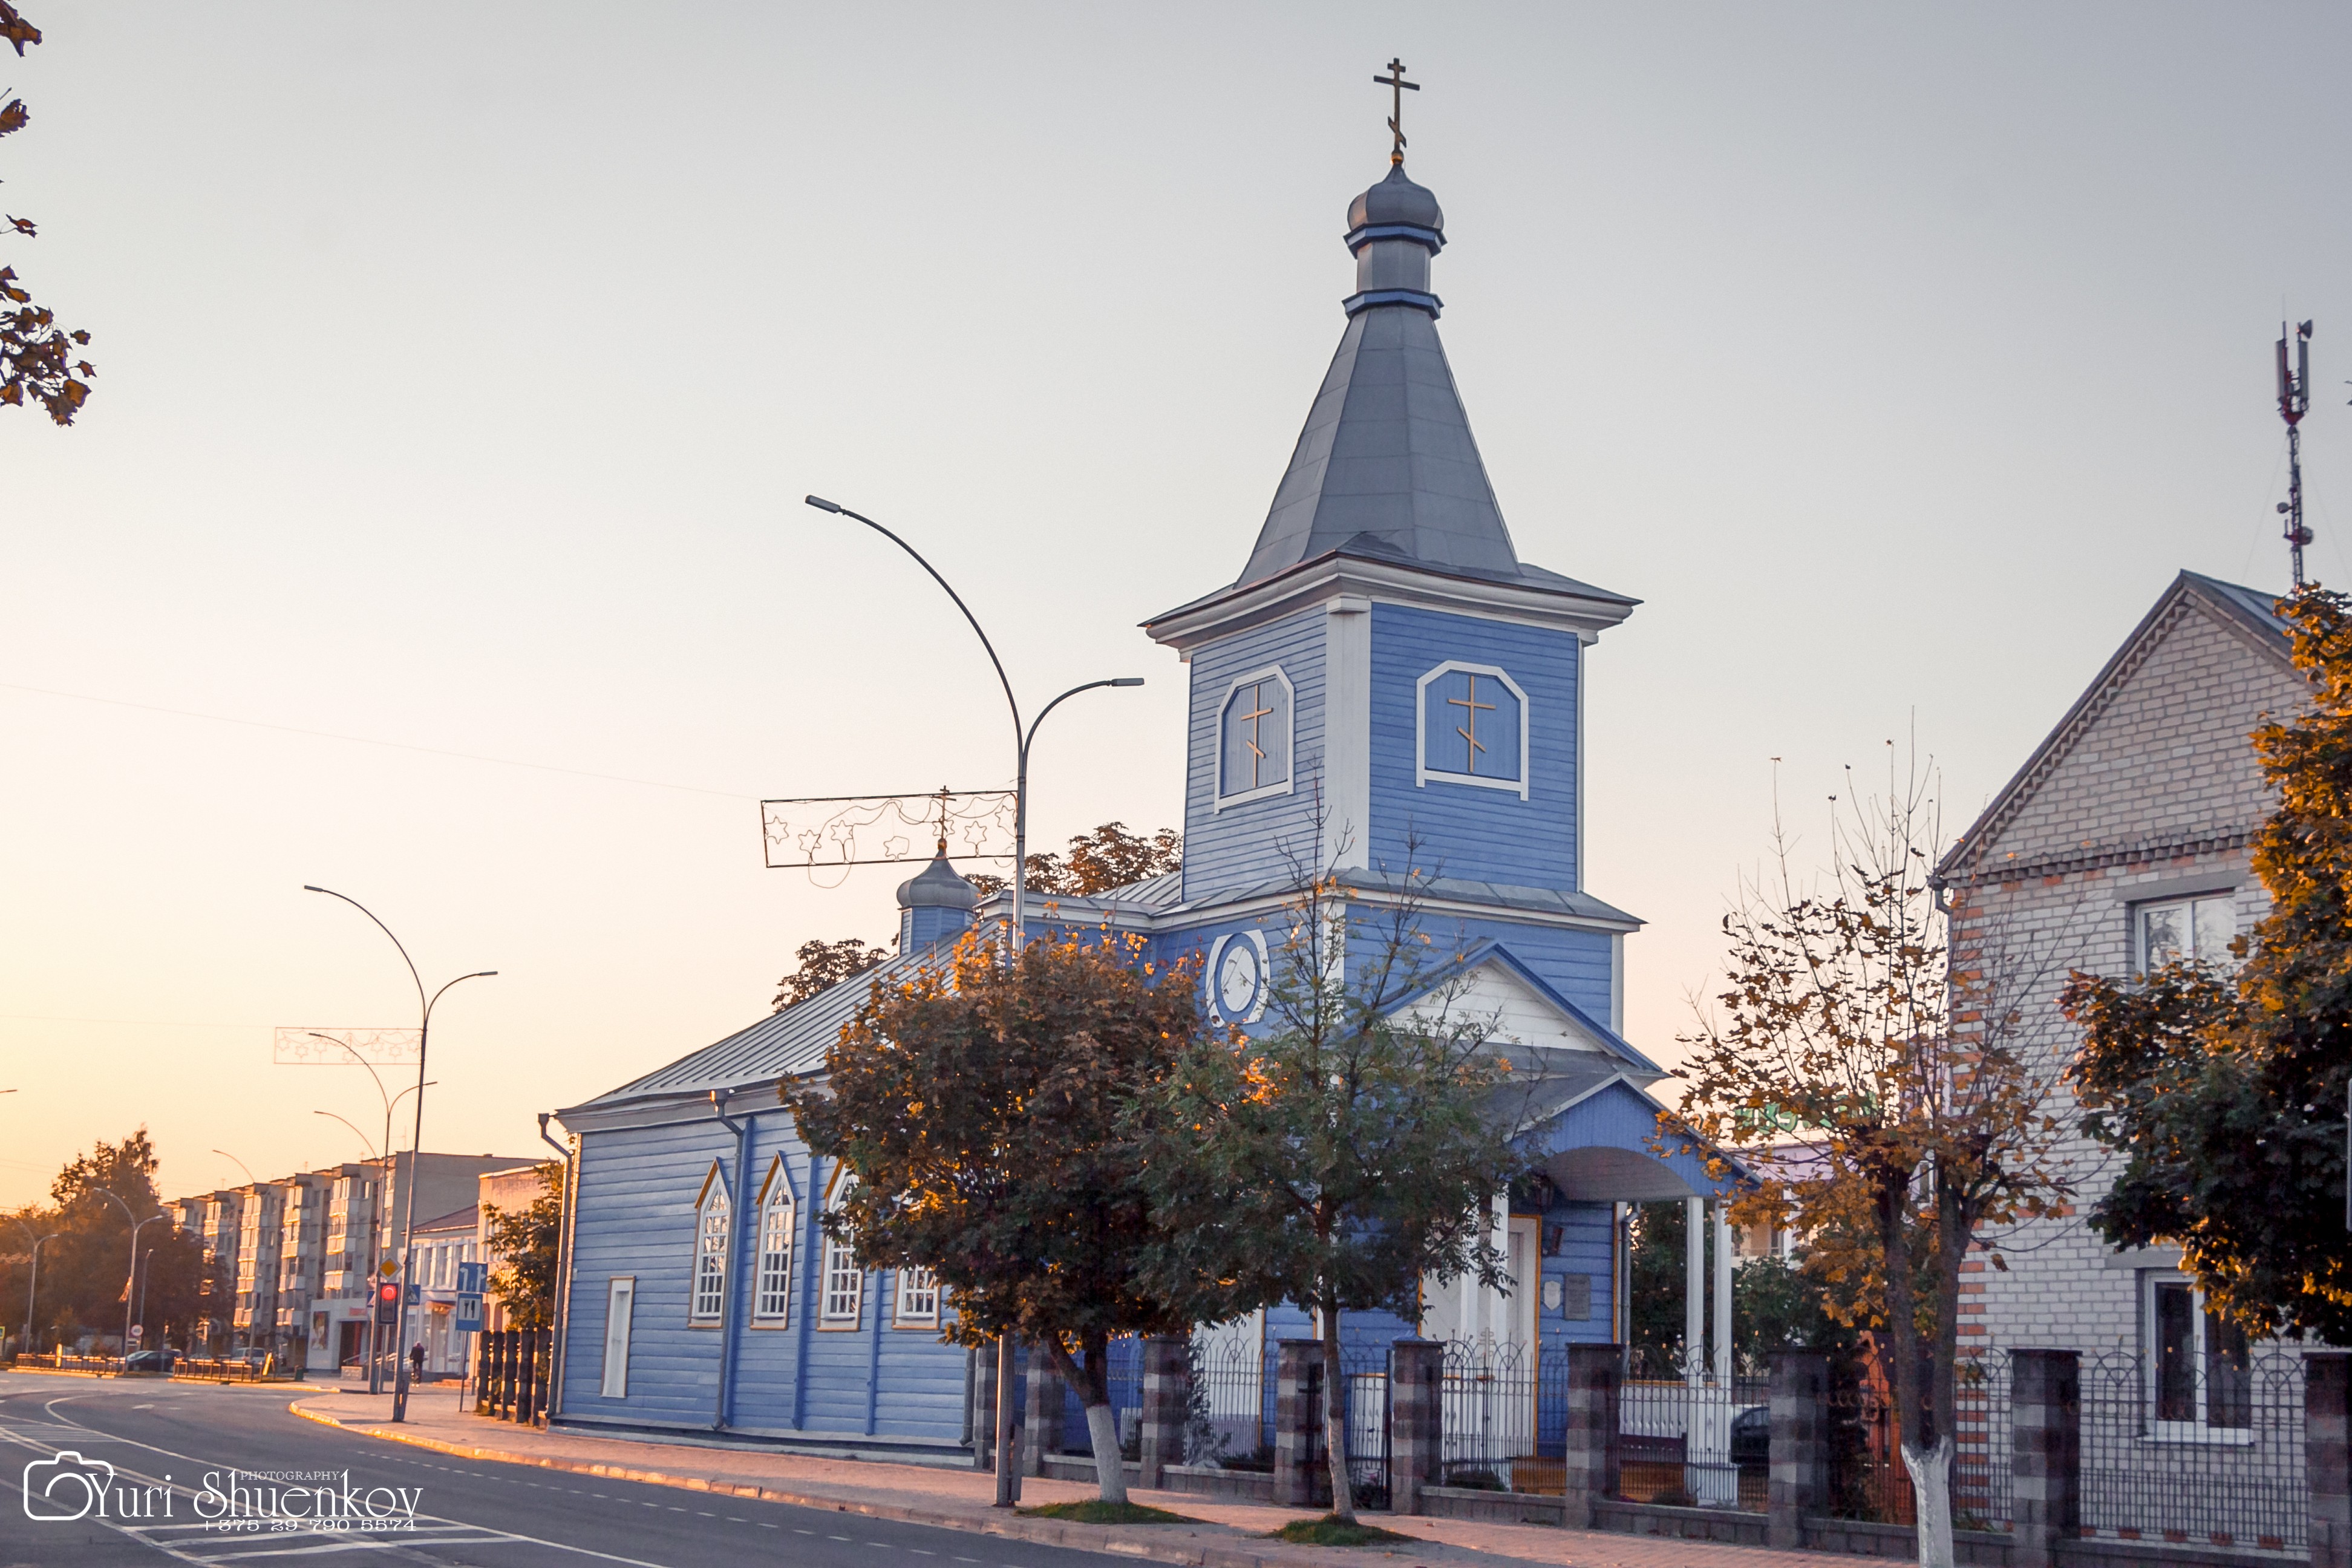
[1110,1468]
[1931,1493]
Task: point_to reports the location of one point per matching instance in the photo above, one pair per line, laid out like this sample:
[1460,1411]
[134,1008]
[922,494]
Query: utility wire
[370,740]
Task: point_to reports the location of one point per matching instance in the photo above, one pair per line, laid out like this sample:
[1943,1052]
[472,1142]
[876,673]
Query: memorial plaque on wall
[1576,1296]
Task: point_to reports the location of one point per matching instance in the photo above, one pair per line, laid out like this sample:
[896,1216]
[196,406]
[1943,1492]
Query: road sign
[138,1333]
[388,1268]
[469,1313]
[415,1296]
[473,1278]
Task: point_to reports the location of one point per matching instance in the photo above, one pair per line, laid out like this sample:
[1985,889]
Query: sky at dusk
[434,531]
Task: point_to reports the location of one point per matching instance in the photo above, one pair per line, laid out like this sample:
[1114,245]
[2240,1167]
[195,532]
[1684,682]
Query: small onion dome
[1396,202]
[937,887]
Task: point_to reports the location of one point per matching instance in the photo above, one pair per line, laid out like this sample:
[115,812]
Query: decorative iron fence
[1486,1400]
[1687,1440]
[1233,1416]
[2201,1443]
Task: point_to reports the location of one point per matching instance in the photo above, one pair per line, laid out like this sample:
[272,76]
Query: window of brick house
[2201,1385]
[2193,930]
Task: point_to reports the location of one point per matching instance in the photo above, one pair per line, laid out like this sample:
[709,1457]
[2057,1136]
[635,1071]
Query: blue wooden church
[1384,671]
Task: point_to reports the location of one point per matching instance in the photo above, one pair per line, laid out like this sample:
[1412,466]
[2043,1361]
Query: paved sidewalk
[1224,1534]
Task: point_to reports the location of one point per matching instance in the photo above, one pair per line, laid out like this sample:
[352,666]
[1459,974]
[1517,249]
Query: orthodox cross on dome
[1469,727]
[1398,87]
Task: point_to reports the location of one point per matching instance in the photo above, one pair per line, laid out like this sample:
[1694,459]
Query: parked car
[1751,1436]
[157,1360]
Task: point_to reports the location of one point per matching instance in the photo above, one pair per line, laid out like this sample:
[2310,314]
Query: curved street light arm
[251,1180]
[1010,701]
[359,1058]
[380,926]
[1029,739]
[478,975]
[362,1137]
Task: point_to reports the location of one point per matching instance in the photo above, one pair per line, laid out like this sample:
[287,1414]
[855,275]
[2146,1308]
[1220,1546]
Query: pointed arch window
[773,1302]
[711,1213]
[1472,721]
[844,1282]
[1254,733]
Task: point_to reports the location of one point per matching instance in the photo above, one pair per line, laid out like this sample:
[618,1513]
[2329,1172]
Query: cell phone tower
[2293,402]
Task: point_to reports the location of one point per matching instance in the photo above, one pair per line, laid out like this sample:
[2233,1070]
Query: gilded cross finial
[943,819]
[1398,87]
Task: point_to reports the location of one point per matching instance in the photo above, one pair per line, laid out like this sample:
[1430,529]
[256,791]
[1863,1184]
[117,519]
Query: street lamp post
[132,1277]
[415,1148]
[33,1283]
[1006,1490]
[375,1210]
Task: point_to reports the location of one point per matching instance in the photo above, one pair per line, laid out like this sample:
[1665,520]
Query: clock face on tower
[1237,976]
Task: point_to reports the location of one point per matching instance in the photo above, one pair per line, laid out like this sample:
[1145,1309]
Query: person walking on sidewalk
[417,1362]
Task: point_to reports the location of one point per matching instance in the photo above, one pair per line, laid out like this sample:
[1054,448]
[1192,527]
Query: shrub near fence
[1868,1480]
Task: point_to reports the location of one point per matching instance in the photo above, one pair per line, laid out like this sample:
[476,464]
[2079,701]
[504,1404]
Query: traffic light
[387,1303]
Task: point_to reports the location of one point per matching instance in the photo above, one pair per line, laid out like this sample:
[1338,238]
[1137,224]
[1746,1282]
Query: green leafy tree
[822,965]
[979,1106]
[1355,1147]
[38,357]
[86,1267]
[524,1241]
[1925,1097]
[2225,1093]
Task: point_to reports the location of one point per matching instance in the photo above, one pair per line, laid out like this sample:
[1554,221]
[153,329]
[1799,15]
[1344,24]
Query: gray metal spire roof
[1387,465]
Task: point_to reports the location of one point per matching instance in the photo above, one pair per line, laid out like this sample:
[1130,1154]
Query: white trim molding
[1423,773]
[1218,799]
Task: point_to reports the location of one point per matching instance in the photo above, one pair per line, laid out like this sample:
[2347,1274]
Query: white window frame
[620,1309]
[1218,799]
[840,1264]
[918,1306]
[2199,1429]
[1423,774]
[706,1284]
[2186,902]
[772,1288]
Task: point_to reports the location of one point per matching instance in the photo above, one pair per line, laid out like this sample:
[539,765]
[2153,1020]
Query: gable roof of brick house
[2248,615]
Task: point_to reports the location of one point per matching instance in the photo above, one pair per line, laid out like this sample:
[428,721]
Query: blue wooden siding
[1465,830]
[637,1188]
[1243,844]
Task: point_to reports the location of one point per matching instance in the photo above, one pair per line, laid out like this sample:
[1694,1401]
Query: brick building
[2123,842]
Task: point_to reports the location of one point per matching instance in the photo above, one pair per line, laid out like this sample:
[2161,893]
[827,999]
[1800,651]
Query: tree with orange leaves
[38,357]
[1926,1111]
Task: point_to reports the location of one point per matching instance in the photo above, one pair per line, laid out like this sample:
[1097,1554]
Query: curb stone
[1106,1538]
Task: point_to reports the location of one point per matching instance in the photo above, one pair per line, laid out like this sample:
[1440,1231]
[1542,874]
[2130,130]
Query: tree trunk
[1335,1419]
[1891,1211]
[1093,1382]
[1931,1488]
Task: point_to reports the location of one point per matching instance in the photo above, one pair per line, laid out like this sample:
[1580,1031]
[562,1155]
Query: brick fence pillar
[1595,1380]
[2045,1422]
[2327,1455]
[1041,1419]
[1167,1403]
[1294,1388]
[1799,1474]
[983,1408]
[1416,1419]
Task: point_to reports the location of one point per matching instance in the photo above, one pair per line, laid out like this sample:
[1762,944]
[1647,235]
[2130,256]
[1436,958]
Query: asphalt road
[206,1474]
